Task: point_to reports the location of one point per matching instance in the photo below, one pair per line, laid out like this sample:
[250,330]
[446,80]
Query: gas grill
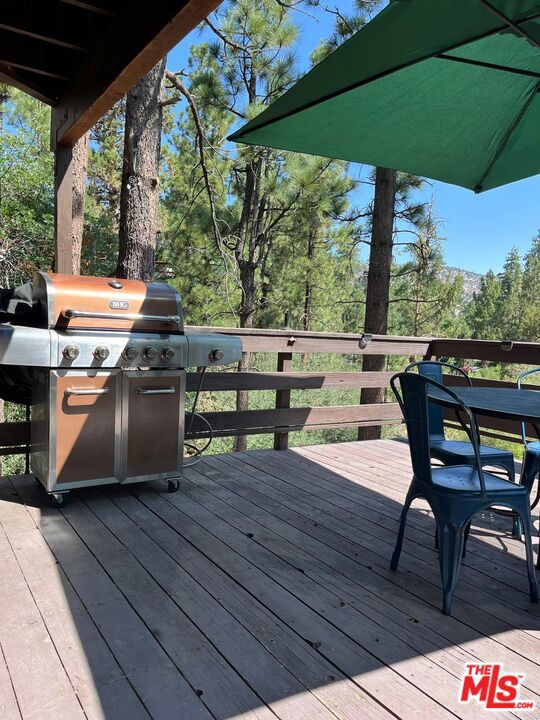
[108,359]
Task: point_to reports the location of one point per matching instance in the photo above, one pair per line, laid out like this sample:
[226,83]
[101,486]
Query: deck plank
[9,709]
[240,557]
[163,690]
[326,682]
[97,680]
[382,593]
[418,543]
[41,685]
[483,601]
[369,623]
[184,634]
[370,480]
[383,519]
[260,590]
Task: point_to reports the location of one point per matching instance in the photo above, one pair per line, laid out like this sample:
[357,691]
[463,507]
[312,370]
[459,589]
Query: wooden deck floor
[259,591]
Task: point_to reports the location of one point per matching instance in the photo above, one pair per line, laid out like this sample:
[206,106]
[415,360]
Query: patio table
[510,403]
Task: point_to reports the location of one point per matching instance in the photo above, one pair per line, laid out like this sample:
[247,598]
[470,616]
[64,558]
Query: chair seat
[534,448]
[464,478]
[465,450]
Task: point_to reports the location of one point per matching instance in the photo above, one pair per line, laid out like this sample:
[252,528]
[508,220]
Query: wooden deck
[259,591]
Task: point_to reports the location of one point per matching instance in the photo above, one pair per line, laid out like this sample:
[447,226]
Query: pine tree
[510,299]
[483,311]
[530,294]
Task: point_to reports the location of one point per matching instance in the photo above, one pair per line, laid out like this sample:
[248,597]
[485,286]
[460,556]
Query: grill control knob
[130,352]
[167,354]
[150,352]
[215,355]
[101,352]
[71,352]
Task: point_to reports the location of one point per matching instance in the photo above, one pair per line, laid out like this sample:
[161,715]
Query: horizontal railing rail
[282,419]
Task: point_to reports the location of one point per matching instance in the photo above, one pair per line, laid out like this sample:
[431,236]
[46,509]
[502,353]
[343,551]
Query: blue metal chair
[454,452]
[455,494]
[531,457]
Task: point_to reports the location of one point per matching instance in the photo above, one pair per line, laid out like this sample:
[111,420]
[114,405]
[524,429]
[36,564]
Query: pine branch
[179,85]
[224,39]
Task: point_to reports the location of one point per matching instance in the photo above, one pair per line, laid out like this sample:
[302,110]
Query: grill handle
[155,391]
[86,391]
[70,314]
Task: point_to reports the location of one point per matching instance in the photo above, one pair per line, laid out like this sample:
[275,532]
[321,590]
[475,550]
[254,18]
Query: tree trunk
[79,170]
[378,283]
[139,193]
[308,292]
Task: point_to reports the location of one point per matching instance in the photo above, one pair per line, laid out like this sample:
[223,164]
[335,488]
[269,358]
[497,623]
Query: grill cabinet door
[85,426]
[153,414]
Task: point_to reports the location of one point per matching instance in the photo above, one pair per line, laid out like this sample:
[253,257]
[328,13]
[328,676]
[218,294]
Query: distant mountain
[471,280]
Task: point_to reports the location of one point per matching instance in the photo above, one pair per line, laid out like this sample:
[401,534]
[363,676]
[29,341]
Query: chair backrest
[433,369]
[411,391]
[520,379]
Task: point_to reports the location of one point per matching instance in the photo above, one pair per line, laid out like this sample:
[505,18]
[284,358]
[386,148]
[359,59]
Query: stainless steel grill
[108,390]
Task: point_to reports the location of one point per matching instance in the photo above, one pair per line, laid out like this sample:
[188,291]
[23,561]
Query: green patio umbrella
[447,89]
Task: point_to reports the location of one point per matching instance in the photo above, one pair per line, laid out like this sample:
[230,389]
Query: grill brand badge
[119,305]
[493,688]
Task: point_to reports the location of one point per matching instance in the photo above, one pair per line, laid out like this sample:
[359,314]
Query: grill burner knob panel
[71,352]
[130,353]
[167,354]
[101,352]
[215,355]
[150,352]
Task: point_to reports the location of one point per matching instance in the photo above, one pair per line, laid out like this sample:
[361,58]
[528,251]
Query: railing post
[283,399]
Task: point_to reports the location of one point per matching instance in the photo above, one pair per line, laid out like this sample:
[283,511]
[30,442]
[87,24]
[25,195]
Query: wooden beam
[63,208]
[229,381]
[133,43]
[14,434]
[102,7]
[258,340]
[517,352]
[60,26]
[16,78]
[256,422]
[283,398]
[36,56]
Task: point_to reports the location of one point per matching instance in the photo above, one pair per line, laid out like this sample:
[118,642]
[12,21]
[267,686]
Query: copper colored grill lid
[80,302]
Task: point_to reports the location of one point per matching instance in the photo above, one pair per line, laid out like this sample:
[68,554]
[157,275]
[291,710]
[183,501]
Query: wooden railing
[281,419]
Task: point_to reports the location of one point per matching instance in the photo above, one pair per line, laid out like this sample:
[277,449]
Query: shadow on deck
[260,590]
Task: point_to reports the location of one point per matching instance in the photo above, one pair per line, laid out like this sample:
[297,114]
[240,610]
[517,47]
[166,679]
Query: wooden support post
[63,208]
[283,399]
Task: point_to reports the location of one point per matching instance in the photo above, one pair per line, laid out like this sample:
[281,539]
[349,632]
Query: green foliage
[507,306]
[101,211]
[26,195]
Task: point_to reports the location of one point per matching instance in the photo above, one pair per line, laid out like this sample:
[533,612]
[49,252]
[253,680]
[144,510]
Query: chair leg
[402,522]
[465,538]
[538,554]
[525,518]
[517,530]
[451,541]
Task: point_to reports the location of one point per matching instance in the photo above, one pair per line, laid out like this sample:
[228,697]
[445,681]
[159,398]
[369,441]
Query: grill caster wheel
[59,499]
[173,485]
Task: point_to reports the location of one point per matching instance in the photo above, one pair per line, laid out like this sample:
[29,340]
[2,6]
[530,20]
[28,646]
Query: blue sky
[479,229]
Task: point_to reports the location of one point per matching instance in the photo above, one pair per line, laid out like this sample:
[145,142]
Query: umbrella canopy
[447,89]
